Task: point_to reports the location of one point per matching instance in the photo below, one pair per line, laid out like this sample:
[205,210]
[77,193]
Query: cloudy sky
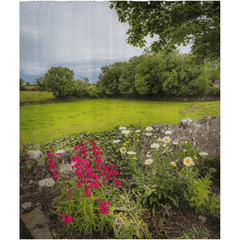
[80,36]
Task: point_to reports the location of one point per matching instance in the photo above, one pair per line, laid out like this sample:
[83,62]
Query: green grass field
[42,123]
[32,96]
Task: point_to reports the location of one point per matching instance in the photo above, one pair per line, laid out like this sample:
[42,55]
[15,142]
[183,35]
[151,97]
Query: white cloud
[34,68]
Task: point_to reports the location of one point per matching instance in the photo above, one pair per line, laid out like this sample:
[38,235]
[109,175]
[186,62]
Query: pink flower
[59,154]
[69,198]
[67,220]
[88,193]
[69,190]
[103,207]
[55,175]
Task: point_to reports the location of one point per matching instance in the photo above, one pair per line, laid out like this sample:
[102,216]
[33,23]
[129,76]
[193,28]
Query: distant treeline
[148,76]
[159,76]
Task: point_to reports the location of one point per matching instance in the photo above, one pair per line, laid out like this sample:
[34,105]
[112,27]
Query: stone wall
[204,133]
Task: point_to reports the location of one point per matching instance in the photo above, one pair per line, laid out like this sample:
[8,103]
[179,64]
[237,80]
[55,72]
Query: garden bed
[166,222]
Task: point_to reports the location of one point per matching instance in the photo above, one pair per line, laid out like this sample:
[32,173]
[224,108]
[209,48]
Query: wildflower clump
[53,164]
[86,194]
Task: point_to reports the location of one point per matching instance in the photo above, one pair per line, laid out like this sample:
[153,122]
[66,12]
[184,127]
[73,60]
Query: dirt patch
[193,108]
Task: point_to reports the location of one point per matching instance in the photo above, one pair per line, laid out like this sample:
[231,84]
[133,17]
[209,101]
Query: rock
[65,158]
[37,223]
[41,233]
[66,169]
[48,182]
[26,205]
[204,133]
[33,155]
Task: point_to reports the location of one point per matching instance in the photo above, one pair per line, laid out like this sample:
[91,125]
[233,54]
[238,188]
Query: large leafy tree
[176,23]
[60,81]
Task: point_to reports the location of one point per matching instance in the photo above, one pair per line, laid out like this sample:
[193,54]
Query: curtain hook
[89,2]
[71,2]
[34,2]
[51,2]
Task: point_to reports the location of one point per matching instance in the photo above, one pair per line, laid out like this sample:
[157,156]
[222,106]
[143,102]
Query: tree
[60,81]
[86,81]
[127,79]
[41,83]
[27,83]
[21,81]
[175,23]
[109,78]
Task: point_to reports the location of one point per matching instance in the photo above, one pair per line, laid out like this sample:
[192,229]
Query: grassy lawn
[42,123]
[32,96]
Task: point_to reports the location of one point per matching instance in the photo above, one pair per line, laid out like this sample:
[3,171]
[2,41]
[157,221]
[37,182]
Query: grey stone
[66,169]
[26,205]
[33,155]
[34,218]
[65,158]
[41,233]
[48,182]
[204,133]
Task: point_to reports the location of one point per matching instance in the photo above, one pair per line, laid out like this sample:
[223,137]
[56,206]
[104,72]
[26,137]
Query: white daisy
[149,129]
[168,132]
[173,164]
[166,139]
[155,145]
[126,132]
[187,161]
[148,134]
[148,161]
[123,150]
[116,141]
[148,155]
[122,128]
[131,153]
[203,154]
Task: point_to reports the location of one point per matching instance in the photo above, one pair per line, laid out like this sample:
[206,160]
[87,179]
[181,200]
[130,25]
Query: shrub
[211,162]
[60,81]
[212,91]
[80,91]
[23,88]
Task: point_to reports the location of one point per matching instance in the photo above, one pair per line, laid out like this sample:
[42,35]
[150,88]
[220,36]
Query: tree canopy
[60,81]
[175,23]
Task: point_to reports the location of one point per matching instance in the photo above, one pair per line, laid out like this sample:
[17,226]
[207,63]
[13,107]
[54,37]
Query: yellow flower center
[166,139]
[187,161]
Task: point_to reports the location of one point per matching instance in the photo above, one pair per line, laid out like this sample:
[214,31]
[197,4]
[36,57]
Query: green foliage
[109,79]
[175,23]
[41,84]
[213,91]
[127,79]
[21,81]
[157,76]
[80,90]
[197,233]
[129,212]
[199,191]
[23,88]
[211,162]
[60,81]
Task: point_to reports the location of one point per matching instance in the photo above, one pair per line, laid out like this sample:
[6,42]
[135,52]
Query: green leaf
[153,209]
